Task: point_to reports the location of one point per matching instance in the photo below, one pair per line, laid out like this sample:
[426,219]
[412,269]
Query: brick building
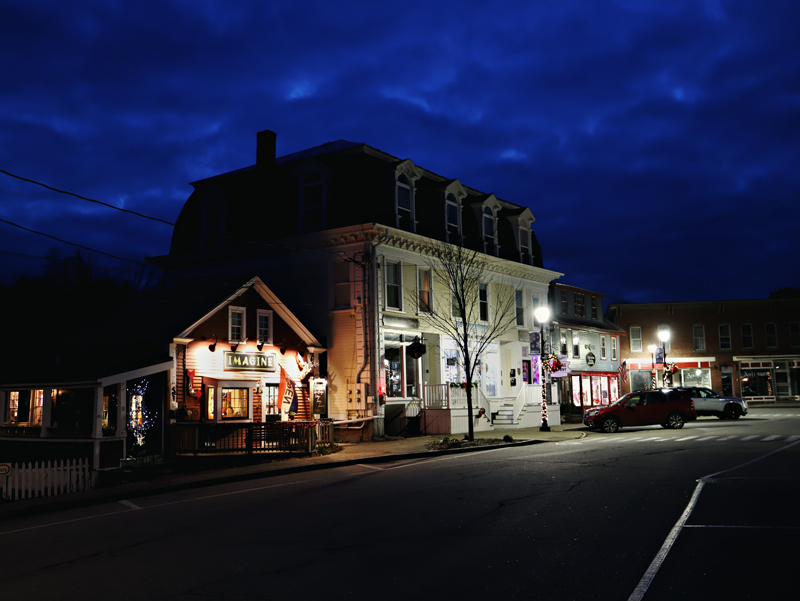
[748,348]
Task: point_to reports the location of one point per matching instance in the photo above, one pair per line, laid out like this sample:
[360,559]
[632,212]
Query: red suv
[667,406]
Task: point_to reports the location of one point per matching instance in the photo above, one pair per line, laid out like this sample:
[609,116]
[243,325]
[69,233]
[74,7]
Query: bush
[508,438]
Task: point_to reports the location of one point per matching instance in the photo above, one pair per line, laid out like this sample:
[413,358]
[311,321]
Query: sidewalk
[194,472]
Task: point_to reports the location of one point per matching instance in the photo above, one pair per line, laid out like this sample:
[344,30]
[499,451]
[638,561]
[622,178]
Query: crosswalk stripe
[769,438]
[705,438]
[750,437]
[792,438]
[685,438]
[631,439]
[727,437]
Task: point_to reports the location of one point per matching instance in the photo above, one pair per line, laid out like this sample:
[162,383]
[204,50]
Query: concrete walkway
[194,472]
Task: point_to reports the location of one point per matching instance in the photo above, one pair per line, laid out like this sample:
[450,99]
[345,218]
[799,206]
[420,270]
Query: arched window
[313,213]
[405,202]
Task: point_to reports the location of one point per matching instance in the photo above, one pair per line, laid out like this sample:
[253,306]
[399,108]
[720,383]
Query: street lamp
[542,315]
[663,336]
[652,348]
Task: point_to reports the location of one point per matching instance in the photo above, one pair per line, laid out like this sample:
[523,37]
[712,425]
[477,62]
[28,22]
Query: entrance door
[781,380]
[726,371]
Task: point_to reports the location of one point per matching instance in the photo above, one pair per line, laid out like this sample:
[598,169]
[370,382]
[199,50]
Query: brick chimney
[265,149]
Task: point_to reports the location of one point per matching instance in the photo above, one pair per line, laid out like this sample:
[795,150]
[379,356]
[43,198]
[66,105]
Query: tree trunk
[470,427]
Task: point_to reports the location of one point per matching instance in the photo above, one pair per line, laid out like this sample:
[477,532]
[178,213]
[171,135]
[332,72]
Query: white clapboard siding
[45,479]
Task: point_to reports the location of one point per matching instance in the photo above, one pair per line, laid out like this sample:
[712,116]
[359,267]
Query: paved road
[586,519]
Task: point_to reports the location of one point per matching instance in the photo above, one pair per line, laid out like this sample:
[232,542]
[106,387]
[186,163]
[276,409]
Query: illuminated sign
[249,361]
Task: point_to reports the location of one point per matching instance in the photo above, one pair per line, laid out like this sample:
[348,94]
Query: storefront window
[235,403]
[490,374]
[614,390]
[411,375]
[394,374]
[269,396]
[586,390]
[576,391]
[691,377]
[211,402]
[641,379]
[604,391]
[757,382]
[13,406]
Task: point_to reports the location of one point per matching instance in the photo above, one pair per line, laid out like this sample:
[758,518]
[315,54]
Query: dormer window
[452,212]
[524,242]
[312,204]
[405,204]
[489,246]
[236,324]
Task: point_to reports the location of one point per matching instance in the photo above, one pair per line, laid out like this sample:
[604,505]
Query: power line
[105,204]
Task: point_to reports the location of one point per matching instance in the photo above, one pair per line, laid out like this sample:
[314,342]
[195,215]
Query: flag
[287,394]
[623,372]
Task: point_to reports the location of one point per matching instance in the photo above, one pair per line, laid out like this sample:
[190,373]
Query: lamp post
[652,348]
[663,336]
[542,315]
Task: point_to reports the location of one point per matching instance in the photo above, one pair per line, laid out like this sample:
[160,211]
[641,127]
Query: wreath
[551,363]
[671,368]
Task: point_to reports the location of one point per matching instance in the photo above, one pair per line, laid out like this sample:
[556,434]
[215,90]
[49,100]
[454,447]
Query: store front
[590,389]
[770,380]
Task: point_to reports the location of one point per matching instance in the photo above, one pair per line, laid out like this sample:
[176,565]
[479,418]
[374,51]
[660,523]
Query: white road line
[750,437]
[793,438]
[631,439]
[769,438]
[647,579]
[705,438]
[372,467]
[685,438]
[742,527]
[728,437]
[129,504]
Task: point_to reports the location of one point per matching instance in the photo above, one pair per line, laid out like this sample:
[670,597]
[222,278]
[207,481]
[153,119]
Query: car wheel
[609,425]
[674,421]
[732,412]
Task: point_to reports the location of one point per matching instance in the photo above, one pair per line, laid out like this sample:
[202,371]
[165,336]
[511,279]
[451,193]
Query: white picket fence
[29,480]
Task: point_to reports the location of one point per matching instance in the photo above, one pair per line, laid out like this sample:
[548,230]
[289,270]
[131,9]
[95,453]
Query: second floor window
[794,334]
[580,305]
[564,303]
[264,327]
[236,324]
[452,212]
[483,301]
[724,336]
[747,335]
[636,339]
[699,337]
[393,286]
[341,284]
[594,307]
[524,242]
[613,348]
[424,288]
[771,331]
[488,231]
[603,347]
[519,307]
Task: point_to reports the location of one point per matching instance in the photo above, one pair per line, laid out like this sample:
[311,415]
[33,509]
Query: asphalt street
[703,512]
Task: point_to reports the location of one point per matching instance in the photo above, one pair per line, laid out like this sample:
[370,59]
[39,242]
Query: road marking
[129,504]
[705,438]
[727,437]
[685,438]
[631,439]
[372,467]
[647,579]
[750,437]
[769,438]
[742,527]
[793,438]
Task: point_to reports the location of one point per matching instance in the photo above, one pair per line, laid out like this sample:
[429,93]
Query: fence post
[249,439]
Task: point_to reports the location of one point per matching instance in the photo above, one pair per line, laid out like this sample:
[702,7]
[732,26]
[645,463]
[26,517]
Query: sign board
[535,343]
[249,361]
[660,355]
[5,469]
[591,359]
[319,396]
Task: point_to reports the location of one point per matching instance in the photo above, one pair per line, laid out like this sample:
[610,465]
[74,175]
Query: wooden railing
[444,396]
[45,479]
[291,436]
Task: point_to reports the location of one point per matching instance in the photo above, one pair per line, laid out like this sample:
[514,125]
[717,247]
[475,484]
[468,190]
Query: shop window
[235,403]
[520,309]
[636,339]
[747,335]
[269,399]
[341,285]
[724,337]
[771,333]
[13,406]
[394,286]
[236,324]
[699,337]
[757,382]
[394,372]
[696,377]
[211,401]
[264,327]
[424,290]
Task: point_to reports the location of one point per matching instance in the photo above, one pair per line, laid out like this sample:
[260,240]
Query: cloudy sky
[656,141]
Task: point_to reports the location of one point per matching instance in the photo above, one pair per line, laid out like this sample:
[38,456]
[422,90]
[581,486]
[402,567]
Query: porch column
[47,410]
[122,417]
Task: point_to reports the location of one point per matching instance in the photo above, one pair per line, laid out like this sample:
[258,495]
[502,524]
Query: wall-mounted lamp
[283,350]
[260,344]
[234,346]
[213,346]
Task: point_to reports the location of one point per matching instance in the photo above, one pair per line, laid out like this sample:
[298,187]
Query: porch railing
[443,396]
[45,479]
[292,436]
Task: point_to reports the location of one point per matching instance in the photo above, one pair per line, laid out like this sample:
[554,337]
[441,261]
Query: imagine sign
[249,361]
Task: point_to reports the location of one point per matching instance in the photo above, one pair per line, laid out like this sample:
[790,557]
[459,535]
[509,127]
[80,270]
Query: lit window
[235,403]
[699,337]
[269,398]
[236,325]
[576,344]
[393,286]
[724,336]
[211,401]
[636,339]
[424,290]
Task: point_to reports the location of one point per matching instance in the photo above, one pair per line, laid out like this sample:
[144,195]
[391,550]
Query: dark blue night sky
[656,142]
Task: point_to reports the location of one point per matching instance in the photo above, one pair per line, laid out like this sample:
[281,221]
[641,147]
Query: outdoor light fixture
[283,350]
[213,346]
[234,346]
[260,344]
[542,315]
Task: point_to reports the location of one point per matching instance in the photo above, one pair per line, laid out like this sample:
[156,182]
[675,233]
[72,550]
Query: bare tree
[462,309]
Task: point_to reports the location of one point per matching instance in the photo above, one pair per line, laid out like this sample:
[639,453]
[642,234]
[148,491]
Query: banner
[287,396]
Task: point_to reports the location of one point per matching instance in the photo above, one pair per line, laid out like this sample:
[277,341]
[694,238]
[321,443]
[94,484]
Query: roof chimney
[265,148]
